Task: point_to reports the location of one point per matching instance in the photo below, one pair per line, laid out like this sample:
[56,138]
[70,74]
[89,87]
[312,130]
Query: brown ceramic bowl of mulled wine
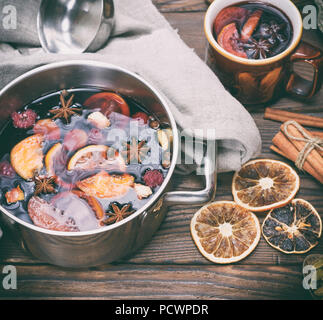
[86,167]
[252,46]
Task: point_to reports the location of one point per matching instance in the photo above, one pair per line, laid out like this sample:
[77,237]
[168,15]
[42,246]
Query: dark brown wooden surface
[170,266]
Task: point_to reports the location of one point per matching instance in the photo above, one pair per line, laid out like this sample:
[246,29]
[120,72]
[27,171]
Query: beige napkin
[144,42]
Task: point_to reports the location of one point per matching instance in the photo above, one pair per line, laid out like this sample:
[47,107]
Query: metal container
[69,26]
[83,249]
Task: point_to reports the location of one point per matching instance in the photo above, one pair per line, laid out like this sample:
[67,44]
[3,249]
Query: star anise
[272,32]
[118,213]
[257,49]
[135,151]
[44,185]
[65,111]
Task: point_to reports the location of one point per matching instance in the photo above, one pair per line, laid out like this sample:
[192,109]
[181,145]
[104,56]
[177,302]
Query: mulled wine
[82,159]
[253,30]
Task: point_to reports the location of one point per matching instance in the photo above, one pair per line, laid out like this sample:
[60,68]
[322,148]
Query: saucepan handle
[209,166]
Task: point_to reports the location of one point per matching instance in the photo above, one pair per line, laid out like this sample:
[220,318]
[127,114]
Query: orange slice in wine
[104,185]
[27,156]
[229,15]
[67,211]
[53,153]
[96,157]
[228,40]
[45,215]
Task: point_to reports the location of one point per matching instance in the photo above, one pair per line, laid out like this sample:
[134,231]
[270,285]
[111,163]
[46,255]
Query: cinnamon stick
[307,168]
[314,158]
[318,134]
[284,147]
[277,150]
[282,116]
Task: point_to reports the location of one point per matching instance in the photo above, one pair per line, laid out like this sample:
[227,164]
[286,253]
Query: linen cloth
[144,42]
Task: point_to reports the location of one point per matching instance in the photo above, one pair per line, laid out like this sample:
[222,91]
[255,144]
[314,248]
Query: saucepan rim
[156,93]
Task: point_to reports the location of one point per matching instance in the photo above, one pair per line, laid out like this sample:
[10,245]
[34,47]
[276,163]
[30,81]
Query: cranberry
[6,169]
[153,178]
[141,117]
[25,119]
[95,136]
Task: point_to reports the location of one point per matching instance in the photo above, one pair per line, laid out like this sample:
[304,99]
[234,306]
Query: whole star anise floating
[44,185]
[257,49]
[118,213]
[272,32]
[66,110]
[135,151]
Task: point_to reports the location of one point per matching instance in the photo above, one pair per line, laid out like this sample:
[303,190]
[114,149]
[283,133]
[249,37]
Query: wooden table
[170,266]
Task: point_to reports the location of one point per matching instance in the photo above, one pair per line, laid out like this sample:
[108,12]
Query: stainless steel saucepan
[110,243]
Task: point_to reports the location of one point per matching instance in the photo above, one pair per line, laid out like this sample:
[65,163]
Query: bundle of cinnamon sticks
[299,145]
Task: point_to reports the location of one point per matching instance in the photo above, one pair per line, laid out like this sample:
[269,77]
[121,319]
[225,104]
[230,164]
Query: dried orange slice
[104,185]
[96,157]
[263,185]
[225,232]
[27,156]
[295,228]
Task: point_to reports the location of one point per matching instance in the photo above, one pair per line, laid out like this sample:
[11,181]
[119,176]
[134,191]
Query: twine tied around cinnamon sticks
[299,145]
[311,143]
